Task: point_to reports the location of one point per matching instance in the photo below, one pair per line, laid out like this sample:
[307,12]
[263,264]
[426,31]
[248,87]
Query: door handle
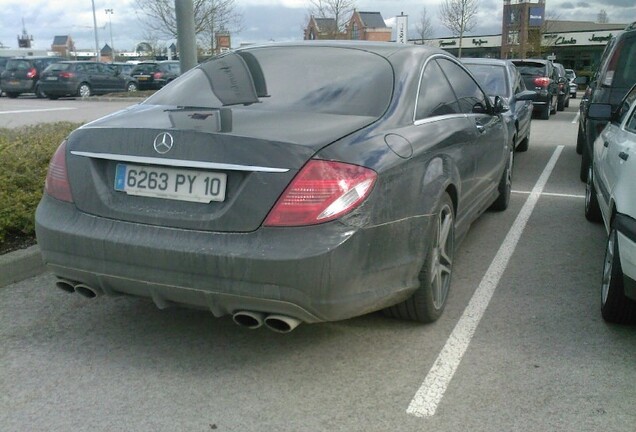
[623,156]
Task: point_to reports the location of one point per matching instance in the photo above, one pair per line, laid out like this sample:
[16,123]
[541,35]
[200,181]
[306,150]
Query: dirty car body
[303,180]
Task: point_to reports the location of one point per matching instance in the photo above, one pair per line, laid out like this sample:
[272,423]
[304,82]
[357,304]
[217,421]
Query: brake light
[543,82]
[157,75]
[66,75]
[31,73]
[320,192]
[56,184]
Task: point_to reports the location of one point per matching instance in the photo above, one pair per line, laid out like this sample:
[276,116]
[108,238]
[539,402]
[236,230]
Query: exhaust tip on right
[281,323]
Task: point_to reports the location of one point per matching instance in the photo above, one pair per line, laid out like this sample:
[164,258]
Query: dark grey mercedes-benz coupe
[280,184]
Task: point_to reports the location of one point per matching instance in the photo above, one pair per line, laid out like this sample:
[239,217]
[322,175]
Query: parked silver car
[610,197]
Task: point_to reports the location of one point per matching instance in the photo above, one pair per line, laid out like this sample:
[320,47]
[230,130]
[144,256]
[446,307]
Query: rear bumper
[17,86]
[58,89]
[326,272]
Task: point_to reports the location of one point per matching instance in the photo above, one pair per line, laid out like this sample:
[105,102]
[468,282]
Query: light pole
[97,54]
[109,12]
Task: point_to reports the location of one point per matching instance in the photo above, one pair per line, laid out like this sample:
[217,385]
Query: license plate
[14,82]
[51,78]
[170,183]
[142,78]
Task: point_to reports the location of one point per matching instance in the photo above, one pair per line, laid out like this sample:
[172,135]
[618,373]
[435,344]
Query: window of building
[355,31]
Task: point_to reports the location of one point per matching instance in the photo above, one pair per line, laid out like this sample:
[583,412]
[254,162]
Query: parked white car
[571,76]
[610,197]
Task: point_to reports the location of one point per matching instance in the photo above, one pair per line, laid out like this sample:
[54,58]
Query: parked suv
[541,76]
[22,75]
[81,78]
[614,77]
[154,75]
[563,100]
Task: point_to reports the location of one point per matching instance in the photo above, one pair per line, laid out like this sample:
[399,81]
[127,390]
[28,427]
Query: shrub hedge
[25,153]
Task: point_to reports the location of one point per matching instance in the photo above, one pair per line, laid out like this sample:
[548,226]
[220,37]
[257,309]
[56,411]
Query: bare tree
[210,16]
[424,27]
[339,10]
[459,17]
[602,17]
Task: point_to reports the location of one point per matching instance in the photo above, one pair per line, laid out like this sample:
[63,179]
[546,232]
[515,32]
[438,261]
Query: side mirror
[499,105]
[598,111]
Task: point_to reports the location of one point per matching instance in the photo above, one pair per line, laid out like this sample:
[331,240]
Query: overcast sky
[263,20]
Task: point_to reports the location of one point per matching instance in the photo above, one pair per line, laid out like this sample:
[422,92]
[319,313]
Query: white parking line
[37,110]
[552,194]
[576,117]
[430,394]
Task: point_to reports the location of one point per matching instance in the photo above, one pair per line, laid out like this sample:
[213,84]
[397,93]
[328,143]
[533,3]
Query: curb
[19,265]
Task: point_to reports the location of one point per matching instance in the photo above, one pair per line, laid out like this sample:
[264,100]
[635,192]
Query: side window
[471,98]
[631,123]
[436,96]
[91,68]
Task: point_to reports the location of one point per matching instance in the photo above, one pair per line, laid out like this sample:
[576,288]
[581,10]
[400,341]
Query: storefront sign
[479,42]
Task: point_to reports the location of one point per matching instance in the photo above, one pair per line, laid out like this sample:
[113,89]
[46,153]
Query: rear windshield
[492,79]
[310,79]
[144,68]
[18,64]
[532,69]
[57,67]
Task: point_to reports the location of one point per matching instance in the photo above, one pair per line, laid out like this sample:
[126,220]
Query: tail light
[56,184]
[31,73]
[542,82]
[66,75]
[157,75]
[320,192]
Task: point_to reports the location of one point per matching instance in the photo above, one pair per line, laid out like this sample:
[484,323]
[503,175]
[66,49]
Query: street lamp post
[97,54]
[109,12]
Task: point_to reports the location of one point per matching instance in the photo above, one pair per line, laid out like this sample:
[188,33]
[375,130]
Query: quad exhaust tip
[254,320]
[80,288]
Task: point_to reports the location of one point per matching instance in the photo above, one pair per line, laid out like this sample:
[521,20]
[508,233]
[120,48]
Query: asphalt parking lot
[520,347]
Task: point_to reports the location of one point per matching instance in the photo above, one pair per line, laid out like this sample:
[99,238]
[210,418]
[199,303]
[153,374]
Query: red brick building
[367,26]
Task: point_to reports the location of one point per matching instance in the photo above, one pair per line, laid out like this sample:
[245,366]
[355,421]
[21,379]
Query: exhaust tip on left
[249,319]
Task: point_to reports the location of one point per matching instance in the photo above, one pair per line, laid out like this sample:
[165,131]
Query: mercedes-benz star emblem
[163,143]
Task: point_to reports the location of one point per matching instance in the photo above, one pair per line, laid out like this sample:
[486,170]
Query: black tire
[556,106]
[131,87]
[560,104]
[12,95]
[592,210]
[523,145]
[84,90]
[567,102]
[428,302]
[580,141]
[505,186]
[615,306]
[39,93]
[585,164]
[545,112]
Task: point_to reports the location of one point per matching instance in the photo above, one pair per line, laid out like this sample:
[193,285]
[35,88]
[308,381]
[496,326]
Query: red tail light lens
[320,192]
[66,75]
[157,75]
[543,82]
[32,73]
[57,184]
